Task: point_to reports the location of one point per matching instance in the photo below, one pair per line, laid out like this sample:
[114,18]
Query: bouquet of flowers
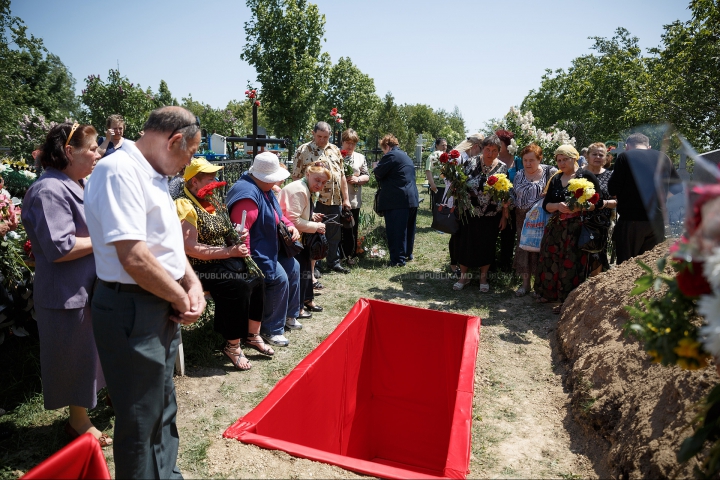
[7,209]
[455,173]
[348,166]
[338,118]
[498,187]
[208,194]
[582,194]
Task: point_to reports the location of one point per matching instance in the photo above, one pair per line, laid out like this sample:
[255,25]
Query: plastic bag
[533,227]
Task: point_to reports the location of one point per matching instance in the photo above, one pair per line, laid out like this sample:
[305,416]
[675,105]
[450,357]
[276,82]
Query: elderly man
[145,289]
[114,141]
[334,197]
[640,223]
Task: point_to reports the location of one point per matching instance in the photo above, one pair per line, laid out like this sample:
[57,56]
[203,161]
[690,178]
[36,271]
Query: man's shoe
[340,269]
[292,324]
[275,340]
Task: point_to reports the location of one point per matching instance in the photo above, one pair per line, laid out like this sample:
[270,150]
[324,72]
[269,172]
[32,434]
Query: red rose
[454,154]
[579,192]
[492,180]
[257,102]
[594,199]
[208,189]
[27,247]
[333,112]
[344,153]
[443,157]
[691,281]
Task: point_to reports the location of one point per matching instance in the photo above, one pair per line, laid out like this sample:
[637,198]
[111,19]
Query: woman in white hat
[252,193]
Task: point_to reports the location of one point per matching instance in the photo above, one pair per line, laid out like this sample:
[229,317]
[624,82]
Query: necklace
[486,168]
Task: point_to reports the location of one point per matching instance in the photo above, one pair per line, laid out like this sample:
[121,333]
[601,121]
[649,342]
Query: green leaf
[661,264]
[641,285]
[645,267]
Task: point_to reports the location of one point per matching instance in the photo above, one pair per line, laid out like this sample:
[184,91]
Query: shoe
[231,351]
[254,340]
[457,286]
[104,440]
[352,260]
[312,308]
[305,315]
[317,273]
[520,292]
[292,324]
[484,287]
[276,340]
[340,269]
[317,286]
[557,309]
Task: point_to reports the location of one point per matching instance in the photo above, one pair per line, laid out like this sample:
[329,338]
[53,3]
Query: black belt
[123,287]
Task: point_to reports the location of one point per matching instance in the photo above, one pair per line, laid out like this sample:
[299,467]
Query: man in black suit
[398,199]
[640,201]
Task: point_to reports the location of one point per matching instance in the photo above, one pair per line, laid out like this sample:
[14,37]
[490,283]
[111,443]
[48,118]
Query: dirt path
[521,427]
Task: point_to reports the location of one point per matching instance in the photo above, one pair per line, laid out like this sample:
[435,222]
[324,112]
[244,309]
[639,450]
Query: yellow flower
[585,184]
[687,347]
[654,356]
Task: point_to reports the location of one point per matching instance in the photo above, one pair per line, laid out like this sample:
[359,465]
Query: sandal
[457,286]
[557,309]
[231,351]
[317,286]
[520,292]
[312,308]
[484,287]
[104,440]
[258,344]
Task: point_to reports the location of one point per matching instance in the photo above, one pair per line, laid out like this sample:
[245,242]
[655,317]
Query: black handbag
[316,244]
[380,213]
[594,233]
[444,219]
[288,246]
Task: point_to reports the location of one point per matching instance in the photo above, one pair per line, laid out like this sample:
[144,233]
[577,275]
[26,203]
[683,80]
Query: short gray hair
[492,140]
[324,126]
[638,139]
[172,120]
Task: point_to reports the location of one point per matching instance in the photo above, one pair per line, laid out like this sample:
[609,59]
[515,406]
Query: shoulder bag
[444,219]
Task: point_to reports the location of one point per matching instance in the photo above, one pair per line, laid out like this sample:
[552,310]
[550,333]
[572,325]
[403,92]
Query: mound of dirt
[640,409]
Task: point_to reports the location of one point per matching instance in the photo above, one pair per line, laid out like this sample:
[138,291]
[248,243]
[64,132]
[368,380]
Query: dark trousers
[632,238]
[235,300]
[332,233]
[507,244]
[400,230]
[137,344]
[349,236]
[306,276]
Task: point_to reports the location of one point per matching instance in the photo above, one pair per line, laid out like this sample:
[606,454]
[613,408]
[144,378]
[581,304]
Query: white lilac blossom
[513,147]
[711,268]
[709,307]
[29,174]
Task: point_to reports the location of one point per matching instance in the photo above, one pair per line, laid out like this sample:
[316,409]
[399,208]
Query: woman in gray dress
[54,217]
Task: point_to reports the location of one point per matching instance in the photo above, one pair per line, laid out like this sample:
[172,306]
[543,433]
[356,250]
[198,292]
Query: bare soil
[640,410]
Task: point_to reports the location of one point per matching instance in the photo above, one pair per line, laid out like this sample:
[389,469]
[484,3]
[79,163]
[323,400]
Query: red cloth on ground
[81,458]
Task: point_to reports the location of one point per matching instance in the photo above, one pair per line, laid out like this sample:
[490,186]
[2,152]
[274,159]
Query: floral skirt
[562,265]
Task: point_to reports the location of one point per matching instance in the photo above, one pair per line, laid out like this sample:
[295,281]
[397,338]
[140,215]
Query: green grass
[34,433]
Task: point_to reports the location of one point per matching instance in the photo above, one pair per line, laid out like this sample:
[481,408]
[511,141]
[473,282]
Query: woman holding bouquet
[356,165]
[563,265]
[54,217]
[482,219]
[216,258]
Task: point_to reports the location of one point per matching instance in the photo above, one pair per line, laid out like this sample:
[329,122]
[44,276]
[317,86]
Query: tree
[389,120]
[353,94]
[32,80]
[595,100]
[117,96]
[284,45]
[685,88]
[214,120]
[164,98]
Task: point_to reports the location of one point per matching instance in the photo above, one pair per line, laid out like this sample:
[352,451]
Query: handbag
[444,219]
[316,244]
[380,213]
[533,227]
[288,246]
[594,233]
[236,265]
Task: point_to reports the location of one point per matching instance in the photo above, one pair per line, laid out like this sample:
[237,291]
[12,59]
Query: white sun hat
[266,168]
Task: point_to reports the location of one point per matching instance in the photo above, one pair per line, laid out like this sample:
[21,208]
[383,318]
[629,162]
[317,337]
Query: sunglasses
[197,123]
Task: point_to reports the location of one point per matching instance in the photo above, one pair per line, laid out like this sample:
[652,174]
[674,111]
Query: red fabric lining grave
[388,393]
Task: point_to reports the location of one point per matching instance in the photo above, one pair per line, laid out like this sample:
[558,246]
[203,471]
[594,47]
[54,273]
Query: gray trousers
[137,344]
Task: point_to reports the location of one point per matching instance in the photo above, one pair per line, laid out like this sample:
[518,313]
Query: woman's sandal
[557,309]
[258,344]
[104,440]
[317,286]
[484,287]
[231,351]
[457,286]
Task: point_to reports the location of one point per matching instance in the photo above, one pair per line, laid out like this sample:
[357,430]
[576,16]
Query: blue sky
[482,57]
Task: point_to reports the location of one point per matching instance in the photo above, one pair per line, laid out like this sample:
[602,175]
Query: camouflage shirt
[308,153]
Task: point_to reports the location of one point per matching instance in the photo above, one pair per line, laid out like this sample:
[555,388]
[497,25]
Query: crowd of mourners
[128,245]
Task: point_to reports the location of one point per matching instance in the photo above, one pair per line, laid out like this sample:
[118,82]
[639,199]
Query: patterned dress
[562,265]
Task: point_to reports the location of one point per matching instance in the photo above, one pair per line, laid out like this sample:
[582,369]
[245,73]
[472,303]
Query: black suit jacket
[395,174]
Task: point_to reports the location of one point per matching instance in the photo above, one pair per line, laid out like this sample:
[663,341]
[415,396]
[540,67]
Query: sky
[480,56]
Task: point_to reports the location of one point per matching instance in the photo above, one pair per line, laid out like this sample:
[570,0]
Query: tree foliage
[352,92]
[164,98]
[30,78]
[284,45]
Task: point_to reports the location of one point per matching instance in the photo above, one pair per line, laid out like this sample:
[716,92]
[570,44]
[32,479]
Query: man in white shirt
[145,289]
